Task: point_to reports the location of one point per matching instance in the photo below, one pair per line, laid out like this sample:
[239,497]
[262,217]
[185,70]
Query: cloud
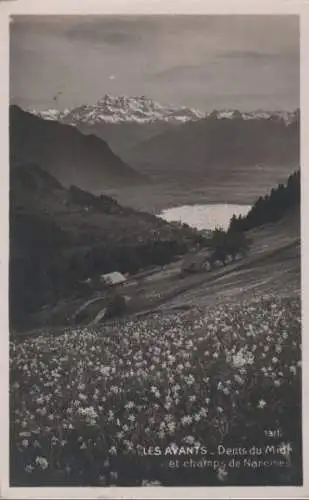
[187,59]
[247,54]
[187,71]
[251,55]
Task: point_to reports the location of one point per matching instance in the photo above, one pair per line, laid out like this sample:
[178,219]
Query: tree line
[271,207]
[228,245]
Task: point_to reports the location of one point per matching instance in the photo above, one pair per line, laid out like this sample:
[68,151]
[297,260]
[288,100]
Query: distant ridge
[217,141]
[67,154]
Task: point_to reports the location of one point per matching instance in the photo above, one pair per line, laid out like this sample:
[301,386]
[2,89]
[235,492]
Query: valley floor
[241,186]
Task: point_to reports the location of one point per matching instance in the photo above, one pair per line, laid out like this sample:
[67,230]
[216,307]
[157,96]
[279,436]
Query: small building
[112,279]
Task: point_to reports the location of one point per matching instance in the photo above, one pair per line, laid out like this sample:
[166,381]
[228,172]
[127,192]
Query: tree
[233,223]
[218,244]
[237,243]
[220,253]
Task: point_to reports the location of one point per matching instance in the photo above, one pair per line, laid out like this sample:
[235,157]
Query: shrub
[116,306]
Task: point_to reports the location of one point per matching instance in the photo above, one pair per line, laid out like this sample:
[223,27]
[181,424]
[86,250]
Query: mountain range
[126,109]
[233,153]
[121,109]
[152,137]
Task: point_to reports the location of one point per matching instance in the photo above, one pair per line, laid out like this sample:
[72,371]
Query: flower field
[161,399]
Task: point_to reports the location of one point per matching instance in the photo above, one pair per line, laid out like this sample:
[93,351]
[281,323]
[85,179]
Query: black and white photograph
[155,332]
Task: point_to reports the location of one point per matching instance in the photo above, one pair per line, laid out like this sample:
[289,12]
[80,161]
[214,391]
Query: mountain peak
[130,109]
[122,109]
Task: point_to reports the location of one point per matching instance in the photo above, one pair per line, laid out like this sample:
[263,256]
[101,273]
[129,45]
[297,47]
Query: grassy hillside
[59,237]
[67,154]
[212,362]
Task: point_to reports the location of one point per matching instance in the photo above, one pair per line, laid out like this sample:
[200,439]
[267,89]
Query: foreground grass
[132,403]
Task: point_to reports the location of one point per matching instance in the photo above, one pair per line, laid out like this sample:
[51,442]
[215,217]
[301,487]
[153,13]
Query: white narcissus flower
[262,404]
[203,412]
[189,440]
[42,462]
[186,420]
[25,434]
[129,404]
[171,426]
[29,468]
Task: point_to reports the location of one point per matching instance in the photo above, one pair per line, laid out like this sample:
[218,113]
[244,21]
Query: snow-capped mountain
[141,110]
[287,116]
[49,114]
[122,109]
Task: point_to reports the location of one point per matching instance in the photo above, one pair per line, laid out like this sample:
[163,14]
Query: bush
[116,306]
[228,244]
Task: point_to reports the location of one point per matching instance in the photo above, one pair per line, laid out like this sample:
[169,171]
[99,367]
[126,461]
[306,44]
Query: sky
[207,62]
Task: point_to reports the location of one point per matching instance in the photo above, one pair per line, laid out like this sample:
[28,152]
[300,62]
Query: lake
[207,216]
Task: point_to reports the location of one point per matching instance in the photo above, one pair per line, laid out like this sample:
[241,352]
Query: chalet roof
[113,278]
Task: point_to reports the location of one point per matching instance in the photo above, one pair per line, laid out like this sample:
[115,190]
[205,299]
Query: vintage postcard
[155,303]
